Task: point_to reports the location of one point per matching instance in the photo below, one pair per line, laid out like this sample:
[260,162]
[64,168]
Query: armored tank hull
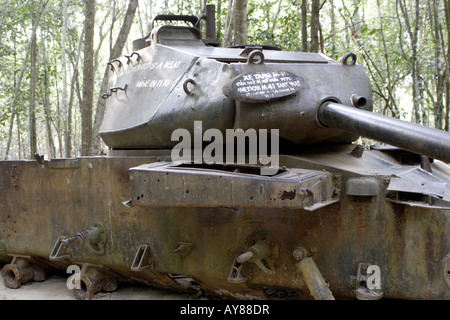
[355,214]
[325,218]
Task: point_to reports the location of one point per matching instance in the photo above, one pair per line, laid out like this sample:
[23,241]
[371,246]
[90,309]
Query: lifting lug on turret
[111,64]
[139,58]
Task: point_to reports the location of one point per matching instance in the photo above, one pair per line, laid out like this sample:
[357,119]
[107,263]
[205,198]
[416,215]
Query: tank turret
[173,79]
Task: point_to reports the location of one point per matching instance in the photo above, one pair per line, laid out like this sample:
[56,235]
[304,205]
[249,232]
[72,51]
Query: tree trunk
[447,62]
[73,90]
[390,102]
[64,106]
[88,78]
[115,53]
[439,75]
[219,21]
[357,19]
[333,30]
[315,11]
[240,22]
[272,23]
[2,16]
[413,34]
[304,6]
[229,24]
[19,139]
[19,83]
[32,96]
[46,104]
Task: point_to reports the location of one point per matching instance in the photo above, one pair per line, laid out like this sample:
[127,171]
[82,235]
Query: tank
[236,173]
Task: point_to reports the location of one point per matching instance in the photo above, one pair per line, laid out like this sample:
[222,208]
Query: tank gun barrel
[416,138]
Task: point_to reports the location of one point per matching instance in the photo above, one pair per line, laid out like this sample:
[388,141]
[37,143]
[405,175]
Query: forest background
[54,54]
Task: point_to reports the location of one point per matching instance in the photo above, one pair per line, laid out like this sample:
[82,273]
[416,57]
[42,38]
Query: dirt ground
[54,288]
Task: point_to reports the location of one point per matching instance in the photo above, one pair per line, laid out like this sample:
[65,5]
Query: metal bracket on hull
[93,239]
[236,275]
[143,258]
[60,250]
[418,188]
[311,275]
[363,283]
[169,184]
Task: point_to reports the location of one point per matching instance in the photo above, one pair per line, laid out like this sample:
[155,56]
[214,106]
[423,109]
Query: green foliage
[377,31]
